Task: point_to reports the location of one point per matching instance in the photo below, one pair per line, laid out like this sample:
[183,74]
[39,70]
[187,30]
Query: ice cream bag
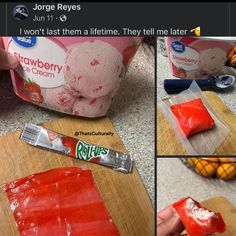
[73,75]
[61,201]
[208,136]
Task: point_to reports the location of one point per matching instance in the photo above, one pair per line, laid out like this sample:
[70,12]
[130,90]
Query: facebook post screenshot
[117,118]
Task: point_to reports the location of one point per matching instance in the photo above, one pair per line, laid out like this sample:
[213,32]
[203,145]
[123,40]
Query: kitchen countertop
[132,113]
[175,181]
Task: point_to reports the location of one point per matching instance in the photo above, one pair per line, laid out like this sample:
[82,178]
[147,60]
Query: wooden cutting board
[124,194]
[228,211]
[169,144]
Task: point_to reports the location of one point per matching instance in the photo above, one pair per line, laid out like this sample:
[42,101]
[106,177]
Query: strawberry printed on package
[74,75]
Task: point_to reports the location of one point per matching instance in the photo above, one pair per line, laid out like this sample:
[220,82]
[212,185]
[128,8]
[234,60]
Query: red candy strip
[63,201]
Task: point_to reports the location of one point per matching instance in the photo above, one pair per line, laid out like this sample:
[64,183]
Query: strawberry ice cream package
[73,75]
[198,57]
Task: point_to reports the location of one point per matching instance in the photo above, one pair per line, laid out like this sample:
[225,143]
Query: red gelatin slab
[64,201]
[193,117]
[197,220]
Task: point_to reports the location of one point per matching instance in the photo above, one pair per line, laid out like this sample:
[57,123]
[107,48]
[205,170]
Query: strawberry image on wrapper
[197,220]
[75,148]
[30,91]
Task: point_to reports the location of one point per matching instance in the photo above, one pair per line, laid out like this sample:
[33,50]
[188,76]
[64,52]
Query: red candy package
[197,220]
[193,117]
[63,201]
[76,148]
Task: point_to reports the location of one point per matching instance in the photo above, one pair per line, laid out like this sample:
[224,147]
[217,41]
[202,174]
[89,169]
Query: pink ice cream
[67,100]
[93,69]
[79,76]
[61,98]
[212,60]
[92,107]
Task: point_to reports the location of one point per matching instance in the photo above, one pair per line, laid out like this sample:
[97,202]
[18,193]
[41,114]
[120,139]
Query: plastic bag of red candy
[197,125]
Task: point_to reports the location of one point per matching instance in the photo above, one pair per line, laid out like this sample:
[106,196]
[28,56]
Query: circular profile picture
[20,12]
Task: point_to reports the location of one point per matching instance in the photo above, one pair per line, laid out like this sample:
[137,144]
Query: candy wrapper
[73,75]
[62,201]
[78,149]
[196,124]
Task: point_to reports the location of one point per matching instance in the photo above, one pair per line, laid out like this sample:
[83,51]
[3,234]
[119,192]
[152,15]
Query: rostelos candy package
[74,75]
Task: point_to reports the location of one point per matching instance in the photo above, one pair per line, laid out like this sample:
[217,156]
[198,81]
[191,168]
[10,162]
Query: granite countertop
[174,180]
[131,113]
